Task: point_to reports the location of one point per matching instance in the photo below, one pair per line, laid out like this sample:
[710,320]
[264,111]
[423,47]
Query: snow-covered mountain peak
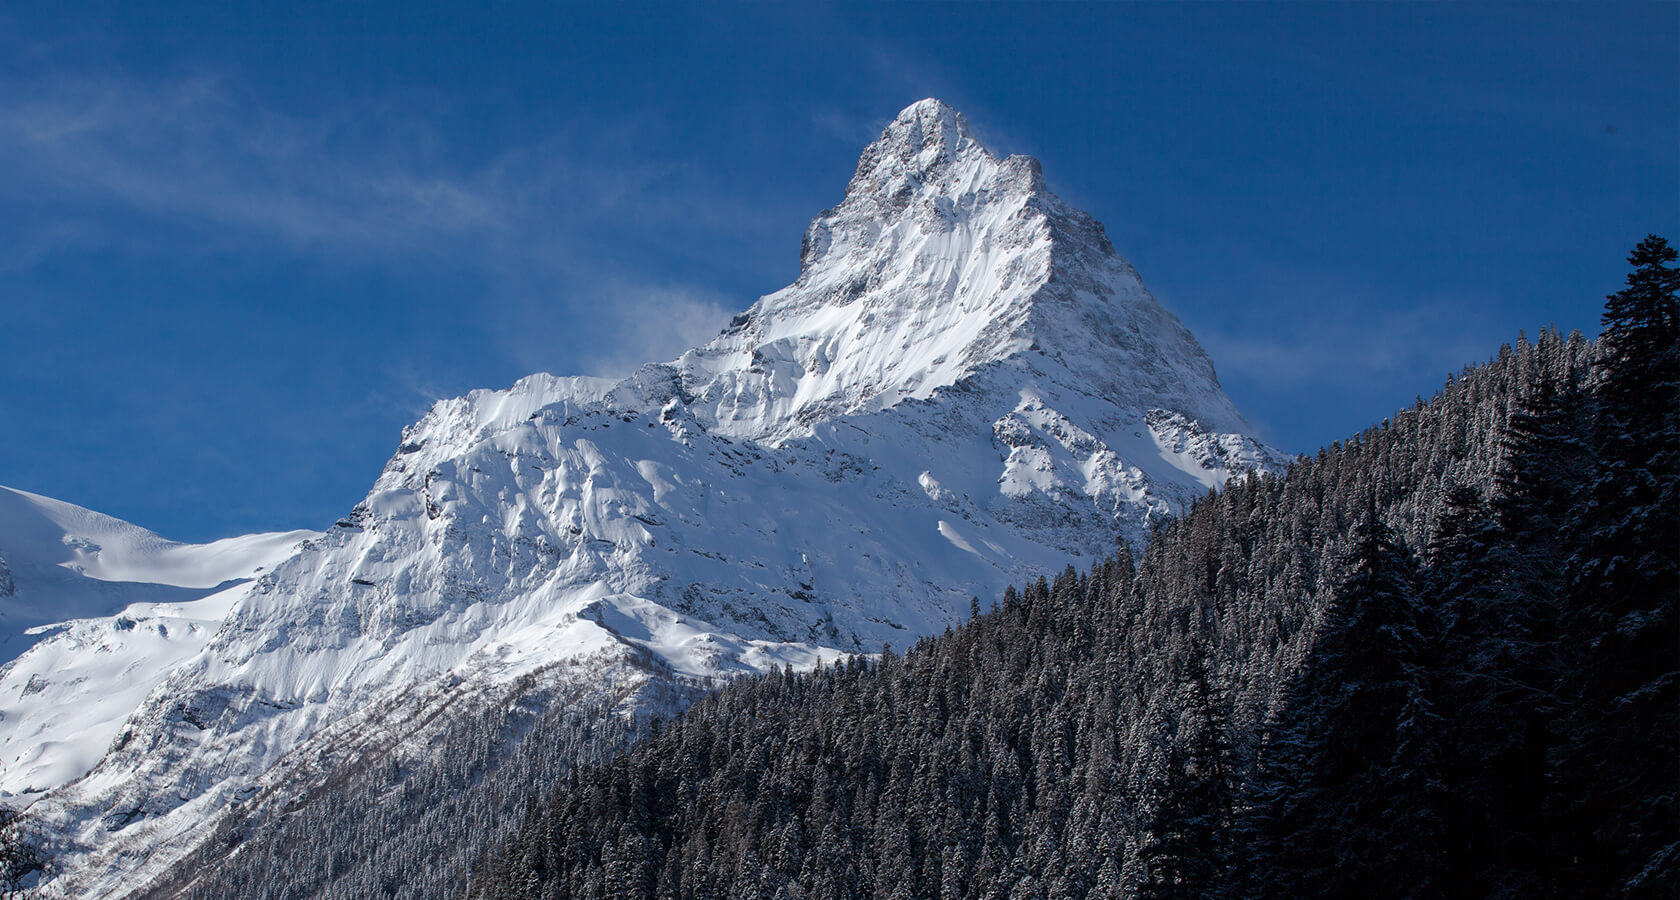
[965,387]
[926,141]
[927,167]
[941,261]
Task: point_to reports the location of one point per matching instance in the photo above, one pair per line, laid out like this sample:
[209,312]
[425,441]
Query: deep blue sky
[240,249]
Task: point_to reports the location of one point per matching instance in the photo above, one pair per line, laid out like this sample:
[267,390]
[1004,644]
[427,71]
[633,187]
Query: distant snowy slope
[100,610]
[66,562]
[65,699]
[965,388]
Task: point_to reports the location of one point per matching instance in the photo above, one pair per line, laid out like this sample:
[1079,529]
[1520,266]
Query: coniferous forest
[1436,660]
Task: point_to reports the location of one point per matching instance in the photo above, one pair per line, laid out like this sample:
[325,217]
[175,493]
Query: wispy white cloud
[1356,338]
[89,158]
[198,151]
[1326,374]
[189,152]
[656,326]
[851,129]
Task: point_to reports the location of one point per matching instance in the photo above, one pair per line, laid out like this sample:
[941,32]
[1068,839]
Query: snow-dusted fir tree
[1347,802]
[1619,768]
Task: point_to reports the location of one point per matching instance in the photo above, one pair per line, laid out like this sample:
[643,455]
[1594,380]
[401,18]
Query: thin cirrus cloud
[363,186]
[198,152]
[1366,348]
[660,322]
[1359,349]
[192,153]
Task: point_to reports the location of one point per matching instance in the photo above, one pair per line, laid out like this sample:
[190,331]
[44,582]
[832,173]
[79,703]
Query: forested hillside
[1436,660]
[407,821]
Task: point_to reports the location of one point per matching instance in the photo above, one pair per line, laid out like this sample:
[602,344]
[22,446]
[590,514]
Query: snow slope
[59,561]
[108,608]
[966,387]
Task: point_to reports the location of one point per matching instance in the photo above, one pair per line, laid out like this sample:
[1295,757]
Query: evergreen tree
[1640,365]
[1186,855]
[1494,687]
[1348,801]
[1620,768]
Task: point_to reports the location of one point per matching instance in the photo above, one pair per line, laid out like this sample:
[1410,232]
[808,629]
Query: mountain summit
[942,260]
[965,388]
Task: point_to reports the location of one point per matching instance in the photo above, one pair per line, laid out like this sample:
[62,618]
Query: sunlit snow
[965,388]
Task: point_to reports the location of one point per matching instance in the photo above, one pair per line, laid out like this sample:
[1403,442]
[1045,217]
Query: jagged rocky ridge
[965,387]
